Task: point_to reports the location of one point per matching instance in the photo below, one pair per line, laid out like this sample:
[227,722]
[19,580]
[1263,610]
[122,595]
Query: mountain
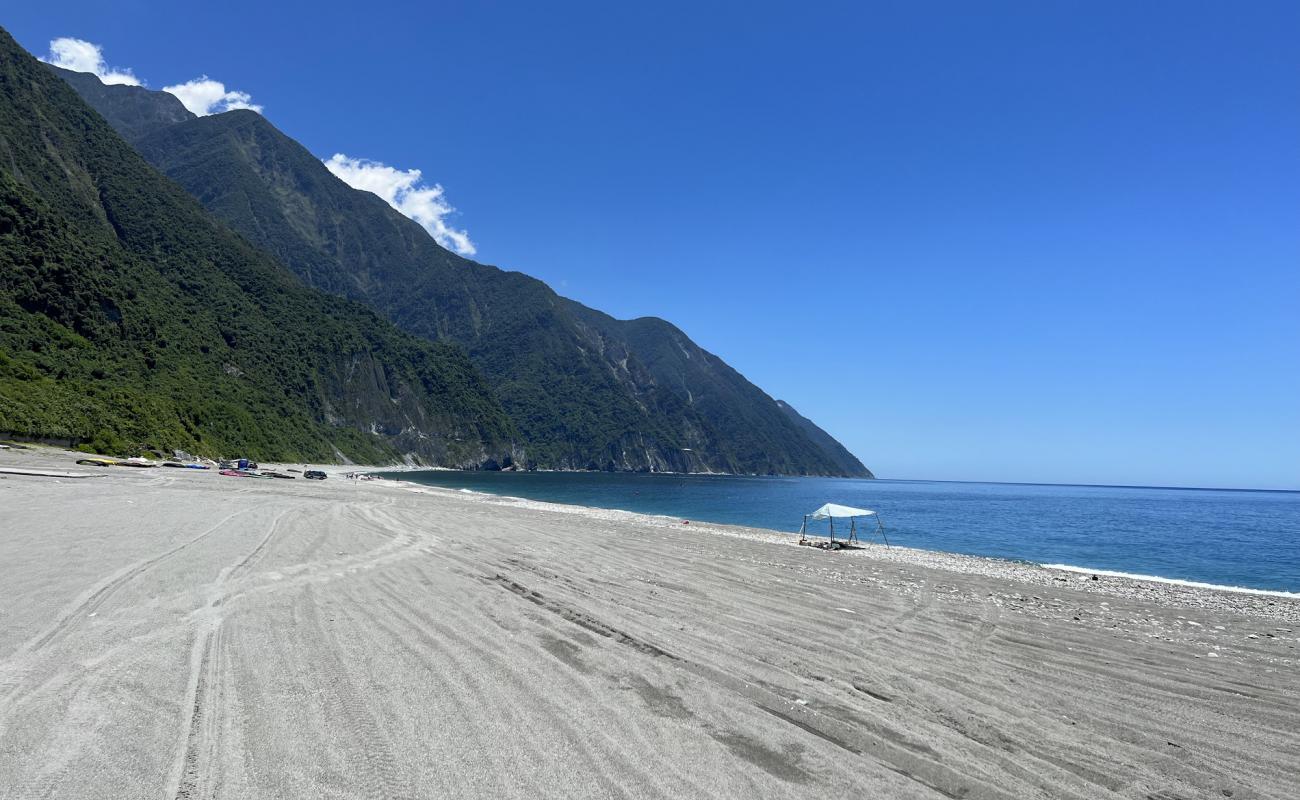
[847,461]
[585,390]
[130,317]
[739,411]
[132,110]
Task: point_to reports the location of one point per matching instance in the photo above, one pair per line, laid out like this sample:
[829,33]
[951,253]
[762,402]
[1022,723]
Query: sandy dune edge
[180,634]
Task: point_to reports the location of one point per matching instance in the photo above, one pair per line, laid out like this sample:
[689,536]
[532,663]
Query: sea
[1224,537]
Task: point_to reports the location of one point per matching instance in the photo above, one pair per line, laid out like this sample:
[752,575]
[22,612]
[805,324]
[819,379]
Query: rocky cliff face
[363,390]
[585,391]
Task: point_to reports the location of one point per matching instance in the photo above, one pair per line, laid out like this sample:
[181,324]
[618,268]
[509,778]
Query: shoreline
[1129,583]
[398,467]
[1117,582]
[176,632]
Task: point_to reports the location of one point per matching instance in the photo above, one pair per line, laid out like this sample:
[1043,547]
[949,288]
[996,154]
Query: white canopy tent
[832,511]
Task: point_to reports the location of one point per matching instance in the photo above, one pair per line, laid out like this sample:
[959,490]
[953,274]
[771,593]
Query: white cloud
[204,96]
[80,55]
[403,191]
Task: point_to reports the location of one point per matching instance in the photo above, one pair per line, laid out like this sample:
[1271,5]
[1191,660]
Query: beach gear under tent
[830,512]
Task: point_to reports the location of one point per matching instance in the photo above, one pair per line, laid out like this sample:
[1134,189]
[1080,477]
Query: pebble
[1275,609]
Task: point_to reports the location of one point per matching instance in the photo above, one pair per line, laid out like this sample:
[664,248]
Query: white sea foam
[1173,581]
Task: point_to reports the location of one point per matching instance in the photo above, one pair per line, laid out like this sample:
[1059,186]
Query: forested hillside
[129,316]
[584,390]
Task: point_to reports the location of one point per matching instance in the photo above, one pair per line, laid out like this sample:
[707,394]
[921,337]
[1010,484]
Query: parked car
[314,475]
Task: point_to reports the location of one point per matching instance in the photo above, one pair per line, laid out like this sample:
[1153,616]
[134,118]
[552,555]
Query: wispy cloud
[204,96]
[404,191]
[80,55]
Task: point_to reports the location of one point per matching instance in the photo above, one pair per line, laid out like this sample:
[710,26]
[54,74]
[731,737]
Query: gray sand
[174,633]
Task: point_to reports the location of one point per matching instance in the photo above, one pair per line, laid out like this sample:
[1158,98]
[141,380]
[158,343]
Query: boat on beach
[242,473]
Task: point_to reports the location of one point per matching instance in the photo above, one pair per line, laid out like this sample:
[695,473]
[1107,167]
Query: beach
[177,633]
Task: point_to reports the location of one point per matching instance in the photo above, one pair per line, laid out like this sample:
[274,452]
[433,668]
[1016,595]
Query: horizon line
[1101,485]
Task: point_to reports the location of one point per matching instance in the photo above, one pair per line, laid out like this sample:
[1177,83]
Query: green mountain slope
[847,461]
[743,417]
[129,316]
[585,390]
[132,110]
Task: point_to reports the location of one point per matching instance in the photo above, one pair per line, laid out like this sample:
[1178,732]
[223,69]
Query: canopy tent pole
[829,512]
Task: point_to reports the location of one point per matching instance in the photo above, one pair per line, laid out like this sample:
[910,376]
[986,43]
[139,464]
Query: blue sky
[1038,241]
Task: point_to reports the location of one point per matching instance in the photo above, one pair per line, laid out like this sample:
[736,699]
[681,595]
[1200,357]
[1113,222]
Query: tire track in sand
[255,555]
[201,742]
[895,752]
[49,776]
[107,589]
[13,679]
[466,656]
[379,769]
[202,736]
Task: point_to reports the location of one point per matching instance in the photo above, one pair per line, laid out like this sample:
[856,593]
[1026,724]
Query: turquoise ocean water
[1236,538]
